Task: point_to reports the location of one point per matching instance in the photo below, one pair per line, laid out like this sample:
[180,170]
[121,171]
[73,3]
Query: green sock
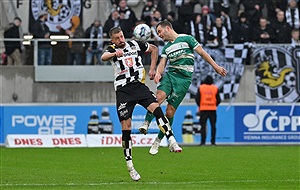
[161,134]
[149,116]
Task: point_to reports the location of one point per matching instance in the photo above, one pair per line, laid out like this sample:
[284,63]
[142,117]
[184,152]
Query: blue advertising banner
[46,120]
[269,124]
[1,126]
[96,119]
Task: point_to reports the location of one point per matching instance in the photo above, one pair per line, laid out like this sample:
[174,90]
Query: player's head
[209,80]
[163,29]
[117,37]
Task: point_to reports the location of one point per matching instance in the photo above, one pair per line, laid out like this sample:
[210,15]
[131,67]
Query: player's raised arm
[160,69]
[220,70]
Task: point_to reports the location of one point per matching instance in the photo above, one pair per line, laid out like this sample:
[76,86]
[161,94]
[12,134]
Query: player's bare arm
[154,56]
[107,55]
[220,70]
[160,69]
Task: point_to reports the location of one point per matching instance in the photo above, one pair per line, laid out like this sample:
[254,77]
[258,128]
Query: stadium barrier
[236,123]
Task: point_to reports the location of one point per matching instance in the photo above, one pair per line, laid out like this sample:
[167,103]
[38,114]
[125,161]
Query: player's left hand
[222,71]
[151,74]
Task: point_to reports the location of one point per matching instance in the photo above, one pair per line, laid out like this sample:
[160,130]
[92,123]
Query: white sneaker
[154,147]
[134,174]
[144,128]
[174,147]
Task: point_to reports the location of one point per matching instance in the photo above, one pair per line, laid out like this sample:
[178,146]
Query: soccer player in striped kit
[130,87]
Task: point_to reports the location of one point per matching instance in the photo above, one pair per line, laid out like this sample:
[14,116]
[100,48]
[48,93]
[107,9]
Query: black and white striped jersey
[129,68]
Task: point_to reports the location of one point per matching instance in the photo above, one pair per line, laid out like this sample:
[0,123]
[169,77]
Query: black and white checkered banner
[277,73]
[230,57]
[60,12]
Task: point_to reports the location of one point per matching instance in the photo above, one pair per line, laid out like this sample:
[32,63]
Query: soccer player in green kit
[175,83]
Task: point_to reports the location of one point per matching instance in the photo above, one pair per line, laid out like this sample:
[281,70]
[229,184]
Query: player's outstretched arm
[160,69]
[154,56]
[108,55]
[220,70]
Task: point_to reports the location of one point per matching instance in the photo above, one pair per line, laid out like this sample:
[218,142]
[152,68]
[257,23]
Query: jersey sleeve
[163,53]
[111,49]
[193,43]
[143,45]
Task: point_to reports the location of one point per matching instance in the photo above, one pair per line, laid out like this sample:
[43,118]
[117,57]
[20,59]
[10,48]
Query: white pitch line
[154,183]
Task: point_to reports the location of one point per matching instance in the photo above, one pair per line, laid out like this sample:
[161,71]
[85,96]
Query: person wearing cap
[13,48]
[208,98]
[40,30]
[95,44]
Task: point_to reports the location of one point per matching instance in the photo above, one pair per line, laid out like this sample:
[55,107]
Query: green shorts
[175,85]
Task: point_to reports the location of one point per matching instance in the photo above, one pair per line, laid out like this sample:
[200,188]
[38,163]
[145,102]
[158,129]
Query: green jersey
[180,54]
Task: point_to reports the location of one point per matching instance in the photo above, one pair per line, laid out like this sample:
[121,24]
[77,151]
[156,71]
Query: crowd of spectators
[219,22]
[212,22]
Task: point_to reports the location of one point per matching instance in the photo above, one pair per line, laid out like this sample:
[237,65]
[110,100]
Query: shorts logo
[60,11]
[122,106]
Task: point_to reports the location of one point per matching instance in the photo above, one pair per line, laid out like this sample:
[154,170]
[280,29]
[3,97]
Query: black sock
[127,144]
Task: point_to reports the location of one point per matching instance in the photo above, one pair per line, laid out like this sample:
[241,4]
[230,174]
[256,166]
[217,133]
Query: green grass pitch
[208,167]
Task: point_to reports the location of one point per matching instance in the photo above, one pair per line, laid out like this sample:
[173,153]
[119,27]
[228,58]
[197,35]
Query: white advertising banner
[22,141]
[101,140]
[115,140]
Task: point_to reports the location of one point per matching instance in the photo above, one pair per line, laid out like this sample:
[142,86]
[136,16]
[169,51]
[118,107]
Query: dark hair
[208,80]
[164,23]
[114,30]
[18,18]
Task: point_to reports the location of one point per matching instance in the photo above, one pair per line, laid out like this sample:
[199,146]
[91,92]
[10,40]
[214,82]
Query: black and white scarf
[289,19]
[99,38]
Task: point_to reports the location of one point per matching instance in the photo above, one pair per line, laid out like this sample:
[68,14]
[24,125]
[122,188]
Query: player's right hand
[119,53]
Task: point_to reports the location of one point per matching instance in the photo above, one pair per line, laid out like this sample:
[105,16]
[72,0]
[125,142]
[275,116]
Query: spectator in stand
[226,20]
[196,28]
[75,48]
[207,22]
[295,37]
[161,6]
[282,29]
[114,3]
[263,33]
[185,14]
[171,18]
[241,30]
[128,15]
[157,40]
[148,11]
[13,48]
[216,7]
[112,21]
[292,14]
[40,30]
[94,47]
[273,6]
[253,10]
[220,33]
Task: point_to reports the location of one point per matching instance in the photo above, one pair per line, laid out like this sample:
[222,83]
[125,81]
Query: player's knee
[160,96]
[126,124]
[170,112]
